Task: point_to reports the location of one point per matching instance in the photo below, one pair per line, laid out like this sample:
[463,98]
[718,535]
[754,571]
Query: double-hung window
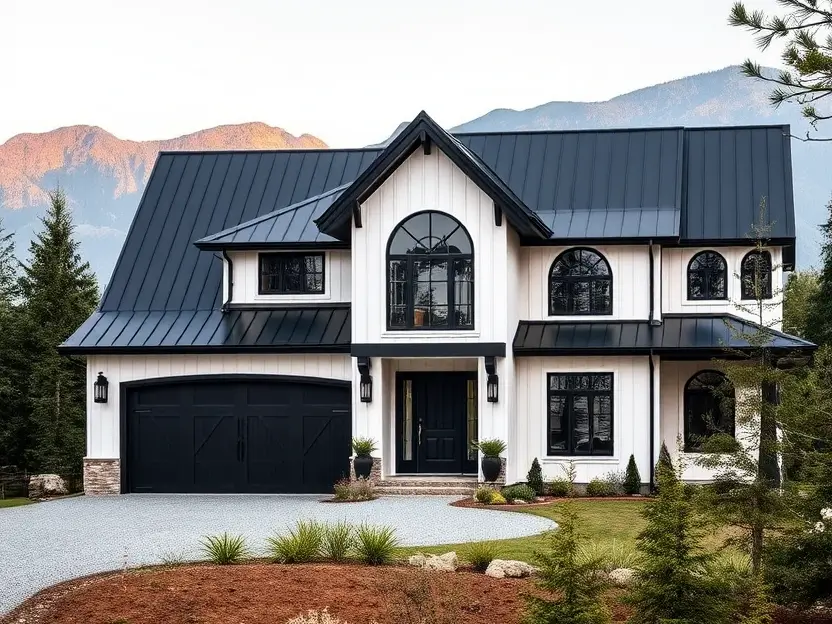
[580,414]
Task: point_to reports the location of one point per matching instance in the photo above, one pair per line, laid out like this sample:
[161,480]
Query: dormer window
[707,277]
[291,274]
[430,274]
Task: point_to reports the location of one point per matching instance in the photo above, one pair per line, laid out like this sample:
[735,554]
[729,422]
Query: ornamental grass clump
[302,544]
[480,555]
[225,549]
[375,545]
[337,540]
[352,491]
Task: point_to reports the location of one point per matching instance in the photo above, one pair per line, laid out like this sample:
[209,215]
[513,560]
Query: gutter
[652,421]
[230,281]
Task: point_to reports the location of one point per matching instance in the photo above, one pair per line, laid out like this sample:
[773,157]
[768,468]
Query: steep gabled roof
[424,132]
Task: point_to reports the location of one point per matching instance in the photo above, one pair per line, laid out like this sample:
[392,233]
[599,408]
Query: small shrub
[599,487]
[422,599]
[609,556]
[519,491]
[490,448]
[336,541]
[358,490]
[559,487]
[364,447]
[225,549]
[375,545]
[484,495]
[632,479]
[315,617]
[301,544]
[535,477]
[570,473]
[616,478]
[172,558]
[498,499]
[480,555]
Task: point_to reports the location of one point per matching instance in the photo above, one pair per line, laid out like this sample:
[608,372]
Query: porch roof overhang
[429,349]
[679,336]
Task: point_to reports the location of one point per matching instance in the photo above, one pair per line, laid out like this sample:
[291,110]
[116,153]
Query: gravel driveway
[46,543]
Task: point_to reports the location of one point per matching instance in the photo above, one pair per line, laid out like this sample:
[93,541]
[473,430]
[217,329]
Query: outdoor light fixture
[100,388]
[365,387]
[492,387]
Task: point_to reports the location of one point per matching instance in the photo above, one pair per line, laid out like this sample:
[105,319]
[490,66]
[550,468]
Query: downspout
[652,421]
[651,318]
[230,281]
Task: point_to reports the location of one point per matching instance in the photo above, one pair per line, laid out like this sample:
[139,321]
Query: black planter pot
[491,468]
[363,466]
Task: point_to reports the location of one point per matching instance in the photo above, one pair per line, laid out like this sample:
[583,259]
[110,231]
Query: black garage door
[240,435]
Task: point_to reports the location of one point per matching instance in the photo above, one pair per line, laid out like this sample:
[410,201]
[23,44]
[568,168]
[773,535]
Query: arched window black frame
[707,277]
[750,269]
[580,284]
[708,408]
[430,274]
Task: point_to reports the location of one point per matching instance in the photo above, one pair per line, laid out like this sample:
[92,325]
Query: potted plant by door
[363,462]
[491,463]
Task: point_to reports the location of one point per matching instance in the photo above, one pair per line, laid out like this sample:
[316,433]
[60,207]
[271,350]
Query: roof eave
[287,245]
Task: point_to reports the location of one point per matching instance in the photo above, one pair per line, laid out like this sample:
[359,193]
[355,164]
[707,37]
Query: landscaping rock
[448,562]
[519,501]
[622,577]
[46,485]
[502,568]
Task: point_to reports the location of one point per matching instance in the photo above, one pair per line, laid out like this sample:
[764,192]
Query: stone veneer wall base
[102,477]
[375,471]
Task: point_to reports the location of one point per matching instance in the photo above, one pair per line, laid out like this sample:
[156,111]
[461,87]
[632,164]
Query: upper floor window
[579,419]
[430,274]
[291,274]
[709,408]
[707,276]
[580,282]
[755,274]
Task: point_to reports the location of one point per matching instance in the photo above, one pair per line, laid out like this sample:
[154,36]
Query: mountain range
[104,175]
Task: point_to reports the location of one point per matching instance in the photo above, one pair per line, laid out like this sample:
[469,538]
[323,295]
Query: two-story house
[563,291]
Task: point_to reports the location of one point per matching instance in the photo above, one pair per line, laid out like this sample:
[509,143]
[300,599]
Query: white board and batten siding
[631,416]
[674,284]
[103,419]
[337,282]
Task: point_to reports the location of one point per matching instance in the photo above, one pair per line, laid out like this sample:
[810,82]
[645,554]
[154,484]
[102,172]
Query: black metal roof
[705,333]
[423,131]
[297,330]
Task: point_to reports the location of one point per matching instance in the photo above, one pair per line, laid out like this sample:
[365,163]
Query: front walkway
[47,543]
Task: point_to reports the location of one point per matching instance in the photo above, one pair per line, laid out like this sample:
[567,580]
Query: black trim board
[124,386]
[427,349]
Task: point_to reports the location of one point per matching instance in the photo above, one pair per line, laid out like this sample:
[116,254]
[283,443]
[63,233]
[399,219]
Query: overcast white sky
[345,71]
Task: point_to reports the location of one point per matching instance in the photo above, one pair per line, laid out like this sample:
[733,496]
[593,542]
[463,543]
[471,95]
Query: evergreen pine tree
[59,292]
[675,582]
[819,315]
[571,578]
[535,478]
[665,463]
[632,478]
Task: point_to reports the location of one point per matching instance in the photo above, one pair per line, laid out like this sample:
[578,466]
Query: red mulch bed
[272,594]
[547,500]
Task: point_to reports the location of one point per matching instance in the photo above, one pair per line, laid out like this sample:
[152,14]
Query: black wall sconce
[492,387]
[365,387]
[101,389]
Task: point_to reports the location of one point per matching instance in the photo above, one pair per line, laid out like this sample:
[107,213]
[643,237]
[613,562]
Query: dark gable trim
[429,349]
[422,129]
[126,386]
[276,305]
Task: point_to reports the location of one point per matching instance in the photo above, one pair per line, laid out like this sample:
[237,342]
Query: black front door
[436,420]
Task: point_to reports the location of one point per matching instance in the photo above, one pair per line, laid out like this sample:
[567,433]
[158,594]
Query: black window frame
[411,259]
[569,394]
[293,255]
[570,280]
[693,444]
[707,296]
[747,275]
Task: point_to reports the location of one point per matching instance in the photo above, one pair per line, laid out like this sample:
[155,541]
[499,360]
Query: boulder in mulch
[503,568]
[622,577]
[46,485]
[448,562]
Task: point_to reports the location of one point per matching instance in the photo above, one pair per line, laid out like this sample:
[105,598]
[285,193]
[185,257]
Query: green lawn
[13,502]
[602,522]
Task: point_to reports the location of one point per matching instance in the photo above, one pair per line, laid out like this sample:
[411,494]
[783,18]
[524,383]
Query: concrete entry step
[425,491]
[429,484]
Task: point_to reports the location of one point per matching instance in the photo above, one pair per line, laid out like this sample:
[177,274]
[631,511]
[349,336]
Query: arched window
[709,408]
[756,270]
[707,276]
[580,282]
[430,274]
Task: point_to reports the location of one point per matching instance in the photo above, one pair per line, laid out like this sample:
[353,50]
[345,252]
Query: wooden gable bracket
[424,139]
[356,213]
[498,215]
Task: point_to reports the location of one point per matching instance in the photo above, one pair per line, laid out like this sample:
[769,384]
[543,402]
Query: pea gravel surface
[50,542]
